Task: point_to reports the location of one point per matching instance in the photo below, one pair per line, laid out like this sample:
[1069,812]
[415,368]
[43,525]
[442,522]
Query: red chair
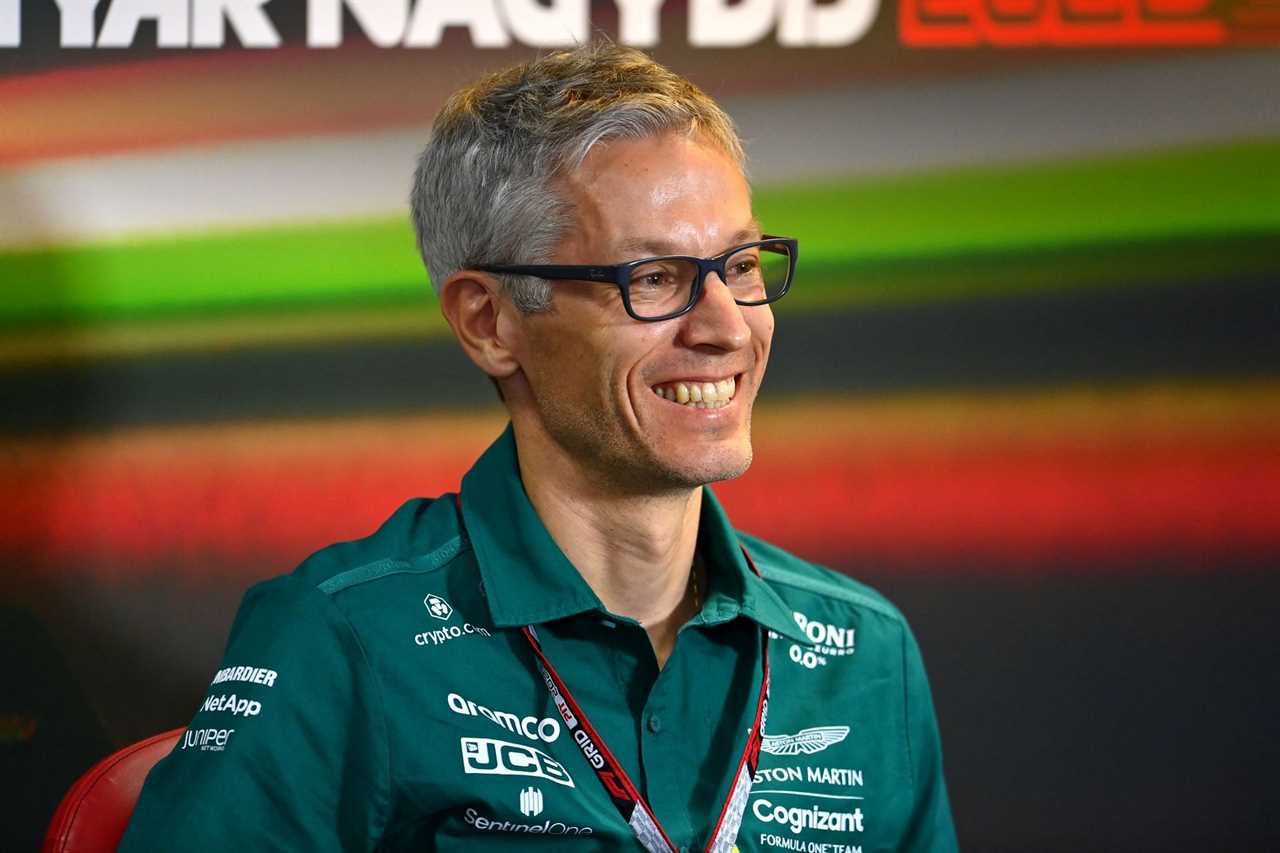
[93,815]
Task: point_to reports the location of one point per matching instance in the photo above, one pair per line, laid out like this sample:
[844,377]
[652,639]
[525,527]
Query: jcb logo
[487,755]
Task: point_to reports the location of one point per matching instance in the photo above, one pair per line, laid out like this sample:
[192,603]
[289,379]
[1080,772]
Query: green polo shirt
[383,697]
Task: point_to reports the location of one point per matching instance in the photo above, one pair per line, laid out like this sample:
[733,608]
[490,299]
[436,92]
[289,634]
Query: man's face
[595,373]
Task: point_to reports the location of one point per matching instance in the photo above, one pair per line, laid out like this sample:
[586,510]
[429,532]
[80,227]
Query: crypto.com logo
[437,606]
[1086,23]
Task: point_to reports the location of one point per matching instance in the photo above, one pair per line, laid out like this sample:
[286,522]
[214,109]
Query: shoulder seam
[389,566]
[784,577]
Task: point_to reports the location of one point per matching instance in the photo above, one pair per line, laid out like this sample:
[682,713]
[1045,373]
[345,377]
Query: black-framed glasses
[665,287]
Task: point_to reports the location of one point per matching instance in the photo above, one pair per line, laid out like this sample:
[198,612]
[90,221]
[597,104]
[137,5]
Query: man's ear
[479,314]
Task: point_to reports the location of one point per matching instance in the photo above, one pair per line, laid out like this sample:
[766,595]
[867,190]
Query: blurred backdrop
[1027,382]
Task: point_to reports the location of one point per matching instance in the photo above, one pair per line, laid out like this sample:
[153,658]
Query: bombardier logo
[498,757]
[806,741]
[250,674]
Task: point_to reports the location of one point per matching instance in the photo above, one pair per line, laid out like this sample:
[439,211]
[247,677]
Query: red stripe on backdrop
[1018,509]
[253,500]
[201,99]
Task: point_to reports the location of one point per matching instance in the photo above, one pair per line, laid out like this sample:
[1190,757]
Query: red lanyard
[631,804]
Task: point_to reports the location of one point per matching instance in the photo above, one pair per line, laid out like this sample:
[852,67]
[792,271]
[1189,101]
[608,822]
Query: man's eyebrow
[644,248]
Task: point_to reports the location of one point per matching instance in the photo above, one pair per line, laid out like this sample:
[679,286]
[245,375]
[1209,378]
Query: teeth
[699,395]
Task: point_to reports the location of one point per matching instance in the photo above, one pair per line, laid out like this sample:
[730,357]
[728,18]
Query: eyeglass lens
[755,275]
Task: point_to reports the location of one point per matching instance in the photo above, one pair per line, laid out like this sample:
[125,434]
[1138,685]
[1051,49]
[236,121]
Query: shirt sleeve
[288,750]
[931,829]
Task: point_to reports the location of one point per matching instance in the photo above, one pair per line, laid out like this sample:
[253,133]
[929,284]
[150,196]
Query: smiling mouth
[699,395]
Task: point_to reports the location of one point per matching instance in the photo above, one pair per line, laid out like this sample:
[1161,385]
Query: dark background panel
[1134,711]
[1194,330]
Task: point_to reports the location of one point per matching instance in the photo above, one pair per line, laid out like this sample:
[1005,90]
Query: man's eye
[652,279]
[745,266]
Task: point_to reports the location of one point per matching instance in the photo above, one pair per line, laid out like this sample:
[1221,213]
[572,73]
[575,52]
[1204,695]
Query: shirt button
[655,723]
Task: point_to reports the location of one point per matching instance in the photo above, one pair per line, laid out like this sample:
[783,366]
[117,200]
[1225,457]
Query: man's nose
[716,320]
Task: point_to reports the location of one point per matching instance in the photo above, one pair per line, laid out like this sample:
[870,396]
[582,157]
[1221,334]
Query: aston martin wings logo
[807,741]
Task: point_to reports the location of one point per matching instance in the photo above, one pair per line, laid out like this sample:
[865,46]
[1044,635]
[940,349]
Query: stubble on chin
[620,463]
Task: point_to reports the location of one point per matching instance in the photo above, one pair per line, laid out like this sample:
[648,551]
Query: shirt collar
[736,587]
[528,580]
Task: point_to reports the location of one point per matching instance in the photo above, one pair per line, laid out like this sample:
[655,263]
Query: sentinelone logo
[710,23]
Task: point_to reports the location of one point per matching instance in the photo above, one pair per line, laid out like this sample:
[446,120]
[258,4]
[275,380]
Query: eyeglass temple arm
[599,275]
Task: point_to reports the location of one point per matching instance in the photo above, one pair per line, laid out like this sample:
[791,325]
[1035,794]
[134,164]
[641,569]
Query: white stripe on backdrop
[1126,104]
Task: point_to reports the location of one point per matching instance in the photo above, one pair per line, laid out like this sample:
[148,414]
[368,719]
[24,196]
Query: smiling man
[577,650]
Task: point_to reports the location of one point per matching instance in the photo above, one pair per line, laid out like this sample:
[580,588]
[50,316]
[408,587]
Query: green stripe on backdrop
[369,261]
[1214,190]
[1113,219]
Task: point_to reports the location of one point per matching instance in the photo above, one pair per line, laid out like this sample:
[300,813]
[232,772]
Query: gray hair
[483,189]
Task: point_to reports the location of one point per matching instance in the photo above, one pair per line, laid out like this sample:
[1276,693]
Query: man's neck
[634,551]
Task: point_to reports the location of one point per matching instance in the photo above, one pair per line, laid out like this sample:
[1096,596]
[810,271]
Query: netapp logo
[237,706]
[498,757]
[814,817]
[206,740]
[545,729]
[490,23]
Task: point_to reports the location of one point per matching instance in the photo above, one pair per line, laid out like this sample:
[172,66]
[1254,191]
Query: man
[576,651]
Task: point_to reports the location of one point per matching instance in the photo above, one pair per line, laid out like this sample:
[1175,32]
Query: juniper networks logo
[437,606]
